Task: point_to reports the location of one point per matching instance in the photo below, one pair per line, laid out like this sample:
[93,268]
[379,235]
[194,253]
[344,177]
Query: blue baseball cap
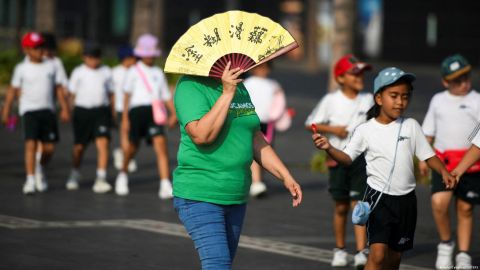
[124,52]
[390,76]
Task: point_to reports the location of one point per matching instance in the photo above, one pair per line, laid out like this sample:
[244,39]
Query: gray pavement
[81,230]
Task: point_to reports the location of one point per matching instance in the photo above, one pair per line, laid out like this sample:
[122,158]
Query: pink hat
[147,46]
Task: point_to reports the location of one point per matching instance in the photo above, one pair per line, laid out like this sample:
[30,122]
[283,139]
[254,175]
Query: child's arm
[322,143]
[172,119]
[422,165]
[111,97]
[472,156]
[62,100]
[436,164]
[9,98]
[339,131]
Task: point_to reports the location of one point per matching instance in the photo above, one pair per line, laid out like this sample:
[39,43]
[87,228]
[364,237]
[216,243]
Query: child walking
[146,84]
[269,100]
[451,115]
[337,115]
[119,74]
[389,142]
[36,80]
[92,95]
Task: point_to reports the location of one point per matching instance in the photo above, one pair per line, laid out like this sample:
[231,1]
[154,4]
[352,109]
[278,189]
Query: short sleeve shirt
[219,172]
[91,87]
[37,82]
[378,141]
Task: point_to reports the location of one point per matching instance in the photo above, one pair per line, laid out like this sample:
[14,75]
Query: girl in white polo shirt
[92,95]
[144,84]
[449,120]
[389,143]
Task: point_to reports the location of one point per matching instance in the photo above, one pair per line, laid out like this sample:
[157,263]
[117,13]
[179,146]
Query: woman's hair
[374,111]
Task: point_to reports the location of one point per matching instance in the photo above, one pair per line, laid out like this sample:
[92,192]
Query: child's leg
[102,152]
[340,221]
[465,225]
[77,155]
[360,233]
[377,256]
[128,154]
[161,151]
[440,203]
[256,172]
[392,260]
[48,149]
[30,152]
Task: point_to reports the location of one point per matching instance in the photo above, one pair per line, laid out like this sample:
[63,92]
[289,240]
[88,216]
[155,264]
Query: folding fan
[245,39]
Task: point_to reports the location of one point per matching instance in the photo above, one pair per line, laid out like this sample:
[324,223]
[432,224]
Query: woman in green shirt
[220,137]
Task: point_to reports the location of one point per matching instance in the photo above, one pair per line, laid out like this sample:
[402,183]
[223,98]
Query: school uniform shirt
[450,119]
[262,92]
[139,93]
[59,67]
[91,86]
[119,75]
[336,109]
[37,82]
[378,141]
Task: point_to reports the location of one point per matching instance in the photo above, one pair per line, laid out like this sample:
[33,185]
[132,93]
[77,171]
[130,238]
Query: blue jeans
[215,230]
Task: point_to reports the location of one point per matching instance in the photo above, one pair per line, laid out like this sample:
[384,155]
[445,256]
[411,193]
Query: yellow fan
[245,39]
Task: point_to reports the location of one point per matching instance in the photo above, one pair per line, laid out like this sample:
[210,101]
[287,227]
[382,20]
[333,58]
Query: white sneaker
[257,189]
[444,256]
[118,158]
[339,258]
[72,182]
[166,191]
[40,183]
[360,259]
[121,184]
[463,261]
[101,186]
[132,166]
[29,186]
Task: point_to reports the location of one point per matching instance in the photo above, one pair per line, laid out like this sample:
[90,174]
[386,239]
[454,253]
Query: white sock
[38,168]
[30,178]
[101,173]
[164,179]
[38,157]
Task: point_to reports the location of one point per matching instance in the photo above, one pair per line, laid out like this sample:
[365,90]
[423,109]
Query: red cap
[349,63]
[32,40]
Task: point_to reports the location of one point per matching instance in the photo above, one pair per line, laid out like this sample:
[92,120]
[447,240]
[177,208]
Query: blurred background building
[408,30]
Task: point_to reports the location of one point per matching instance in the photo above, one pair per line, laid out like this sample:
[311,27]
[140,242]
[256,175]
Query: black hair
[374,111]
[50,41]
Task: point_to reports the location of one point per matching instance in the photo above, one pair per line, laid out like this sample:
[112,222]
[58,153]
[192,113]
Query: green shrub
[8,59]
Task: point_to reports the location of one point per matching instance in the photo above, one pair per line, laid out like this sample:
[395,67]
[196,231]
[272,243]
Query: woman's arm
[322,143]
[206,130]
[268,159]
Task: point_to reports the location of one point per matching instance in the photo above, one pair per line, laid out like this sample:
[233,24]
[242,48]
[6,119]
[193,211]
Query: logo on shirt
[360,113]
[403,138]
[472,195]
[403,240]
[238,109]
[463,106]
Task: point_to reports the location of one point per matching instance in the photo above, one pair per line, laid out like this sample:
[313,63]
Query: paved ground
[81,230]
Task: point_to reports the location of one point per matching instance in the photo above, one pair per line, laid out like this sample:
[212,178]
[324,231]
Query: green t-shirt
[219,172]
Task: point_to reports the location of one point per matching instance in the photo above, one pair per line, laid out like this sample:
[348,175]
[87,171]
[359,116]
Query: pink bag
[158,107]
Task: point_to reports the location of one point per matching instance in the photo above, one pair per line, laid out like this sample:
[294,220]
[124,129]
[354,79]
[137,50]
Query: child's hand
[449,180]
[340,131]
[320,141]
[457,175]
[64,116]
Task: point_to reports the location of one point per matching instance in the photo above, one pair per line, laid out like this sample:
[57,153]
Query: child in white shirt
[389,143]
[119,76]
[92,96]
[37,80]
[144,84]
[337,115]
[449,120]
